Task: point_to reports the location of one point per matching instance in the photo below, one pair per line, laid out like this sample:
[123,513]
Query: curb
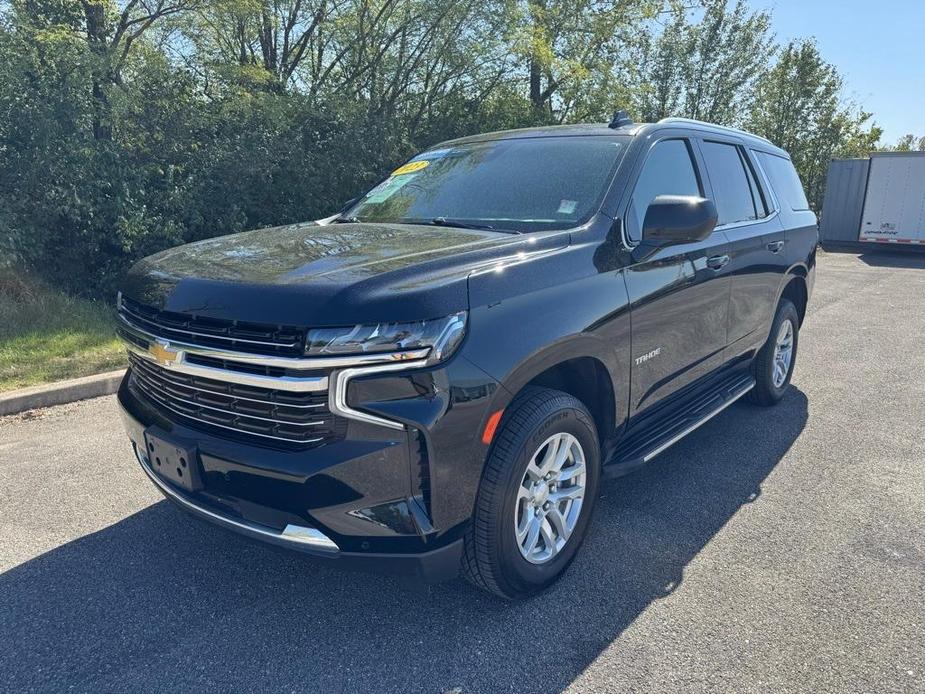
[17,401]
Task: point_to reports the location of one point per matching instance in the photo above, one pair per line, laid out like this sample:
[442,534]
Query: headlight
[441,335]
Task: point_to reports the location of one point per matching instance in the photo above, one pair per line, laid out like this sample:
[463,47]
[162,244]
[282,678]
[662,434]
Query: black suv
[435,380]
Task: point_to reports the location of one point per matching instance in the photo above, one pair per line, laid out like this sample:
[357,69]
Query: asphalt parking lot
[777,550]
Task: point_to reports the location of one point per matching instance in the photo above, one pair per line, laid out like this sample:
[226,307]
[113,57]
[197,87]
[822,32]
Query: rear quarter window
[784,180]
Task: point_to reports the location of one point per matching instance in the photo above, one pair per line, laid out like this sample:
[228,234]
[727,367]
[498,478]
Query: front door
[679,297]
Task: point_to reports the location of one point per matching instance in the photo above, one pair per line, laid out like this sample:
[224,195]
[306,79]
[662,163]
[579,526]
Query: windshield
[528,184]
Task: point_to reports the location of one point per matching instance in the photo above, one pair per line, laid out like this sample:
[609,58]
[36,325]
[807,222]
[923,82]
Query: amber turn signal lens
[491,426]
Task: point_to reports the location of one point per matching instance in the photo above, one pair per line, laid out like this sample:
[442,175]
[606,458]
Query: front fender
[555,311]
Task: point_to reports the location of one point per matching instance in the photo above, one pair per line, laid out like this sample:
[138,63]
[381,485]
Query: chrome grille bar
[167,377]
[178,351]
[294,376]
[136,338]
[151,386]
[166,405]
[303,428]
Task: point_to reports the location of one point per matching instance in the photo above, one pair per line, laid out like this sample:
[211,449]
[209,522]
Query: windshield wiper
[459,224]
[436,221]
[444,222]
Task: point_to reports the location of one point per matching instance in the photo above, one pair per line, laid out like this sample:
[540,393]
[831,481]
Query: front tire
[536,496]
[773,366]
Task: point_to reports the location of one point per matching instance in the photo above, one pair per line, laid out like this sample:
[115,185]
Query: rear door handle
[775,246]
[717,262]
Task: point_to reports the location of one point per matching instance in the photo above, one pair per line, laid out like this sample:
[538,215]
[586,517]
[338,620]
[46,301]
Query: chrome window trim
[747,222]
[291,534]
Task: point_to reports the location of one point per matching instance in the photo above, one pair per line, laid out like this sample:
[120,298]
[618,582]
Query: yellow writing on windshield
[411,167]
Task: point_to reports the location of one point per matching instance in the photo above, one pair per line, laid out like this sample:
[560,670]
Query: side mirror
[675,219]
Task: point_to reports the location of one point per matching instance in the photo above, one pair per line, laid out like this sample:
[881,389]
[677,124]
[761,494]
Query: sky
[878,46]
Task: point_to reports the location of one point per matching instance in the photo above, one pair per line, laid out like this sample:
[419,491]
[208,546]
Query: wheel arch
[581,366]
[795,288]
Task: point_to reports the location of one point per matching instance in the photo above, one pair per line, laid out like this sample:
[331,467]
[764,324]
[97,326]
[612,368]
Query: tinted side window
[785,180]
[669,170]
[734,200]
[762,206]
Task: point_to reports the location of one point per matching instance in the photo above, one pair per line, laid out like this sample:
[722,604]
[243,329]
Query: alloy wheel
[783,353]
[549,498]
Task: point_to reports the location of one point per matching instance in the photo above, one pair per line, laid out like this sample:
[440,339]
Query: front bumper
[382,498]
[436,565]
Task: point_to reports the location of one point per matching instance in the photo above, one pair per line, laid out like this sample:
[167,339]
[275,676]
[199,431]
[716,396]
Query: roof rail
[737,131]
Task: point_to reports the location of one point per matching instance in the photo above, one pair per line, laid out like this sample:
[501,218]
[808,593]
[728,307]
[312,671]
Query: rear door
[756,239]
[680,295]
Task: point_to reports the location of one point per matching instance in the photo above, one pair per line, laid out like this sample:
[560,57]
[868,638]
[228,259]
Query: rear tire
[530,515]
[774,363]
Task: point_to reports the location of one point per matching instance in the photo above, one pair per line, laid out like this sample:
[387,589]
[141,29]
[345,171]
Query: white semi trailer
[875,200]
[894,206]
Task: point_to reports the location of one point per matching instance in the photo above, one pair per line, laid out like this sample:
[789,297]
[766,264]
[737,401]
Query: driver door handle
[717,262]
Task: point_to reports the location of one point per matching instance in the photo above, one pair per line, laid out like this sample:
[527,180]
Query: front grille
[240,366]
[261,415]
[237,336]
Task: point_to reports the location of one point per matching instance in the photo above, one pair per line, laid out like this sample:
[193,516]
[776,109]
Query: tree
[909,143]
[266,40]
[400,58]
[799,107]
[129,126]
[703,66]
[569,49]
[109,28]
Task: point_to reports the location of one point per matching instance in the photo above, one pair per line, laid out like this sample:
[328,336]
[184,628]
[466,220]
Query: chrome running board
[696,425]
[648,440]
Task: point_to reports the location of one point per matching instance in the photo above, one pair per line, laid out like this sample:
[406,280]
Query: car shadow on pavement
[912,258]
[157,602]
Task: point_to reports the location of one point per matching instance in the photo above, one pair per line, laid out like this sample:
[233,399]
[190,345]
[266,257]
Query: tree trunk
[536,87]
[102,74]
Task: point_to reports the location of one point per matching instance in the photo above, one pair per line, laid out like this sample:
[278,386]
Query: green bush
[127,128]
[77,211]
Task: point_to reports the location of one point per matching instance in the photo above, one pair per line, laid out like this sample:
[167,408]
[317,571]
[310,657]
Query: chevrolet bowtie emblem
[163,354]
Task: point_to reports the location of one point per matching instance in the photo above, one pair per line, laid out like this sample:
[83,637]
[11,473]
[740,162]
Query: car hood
[309,274]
